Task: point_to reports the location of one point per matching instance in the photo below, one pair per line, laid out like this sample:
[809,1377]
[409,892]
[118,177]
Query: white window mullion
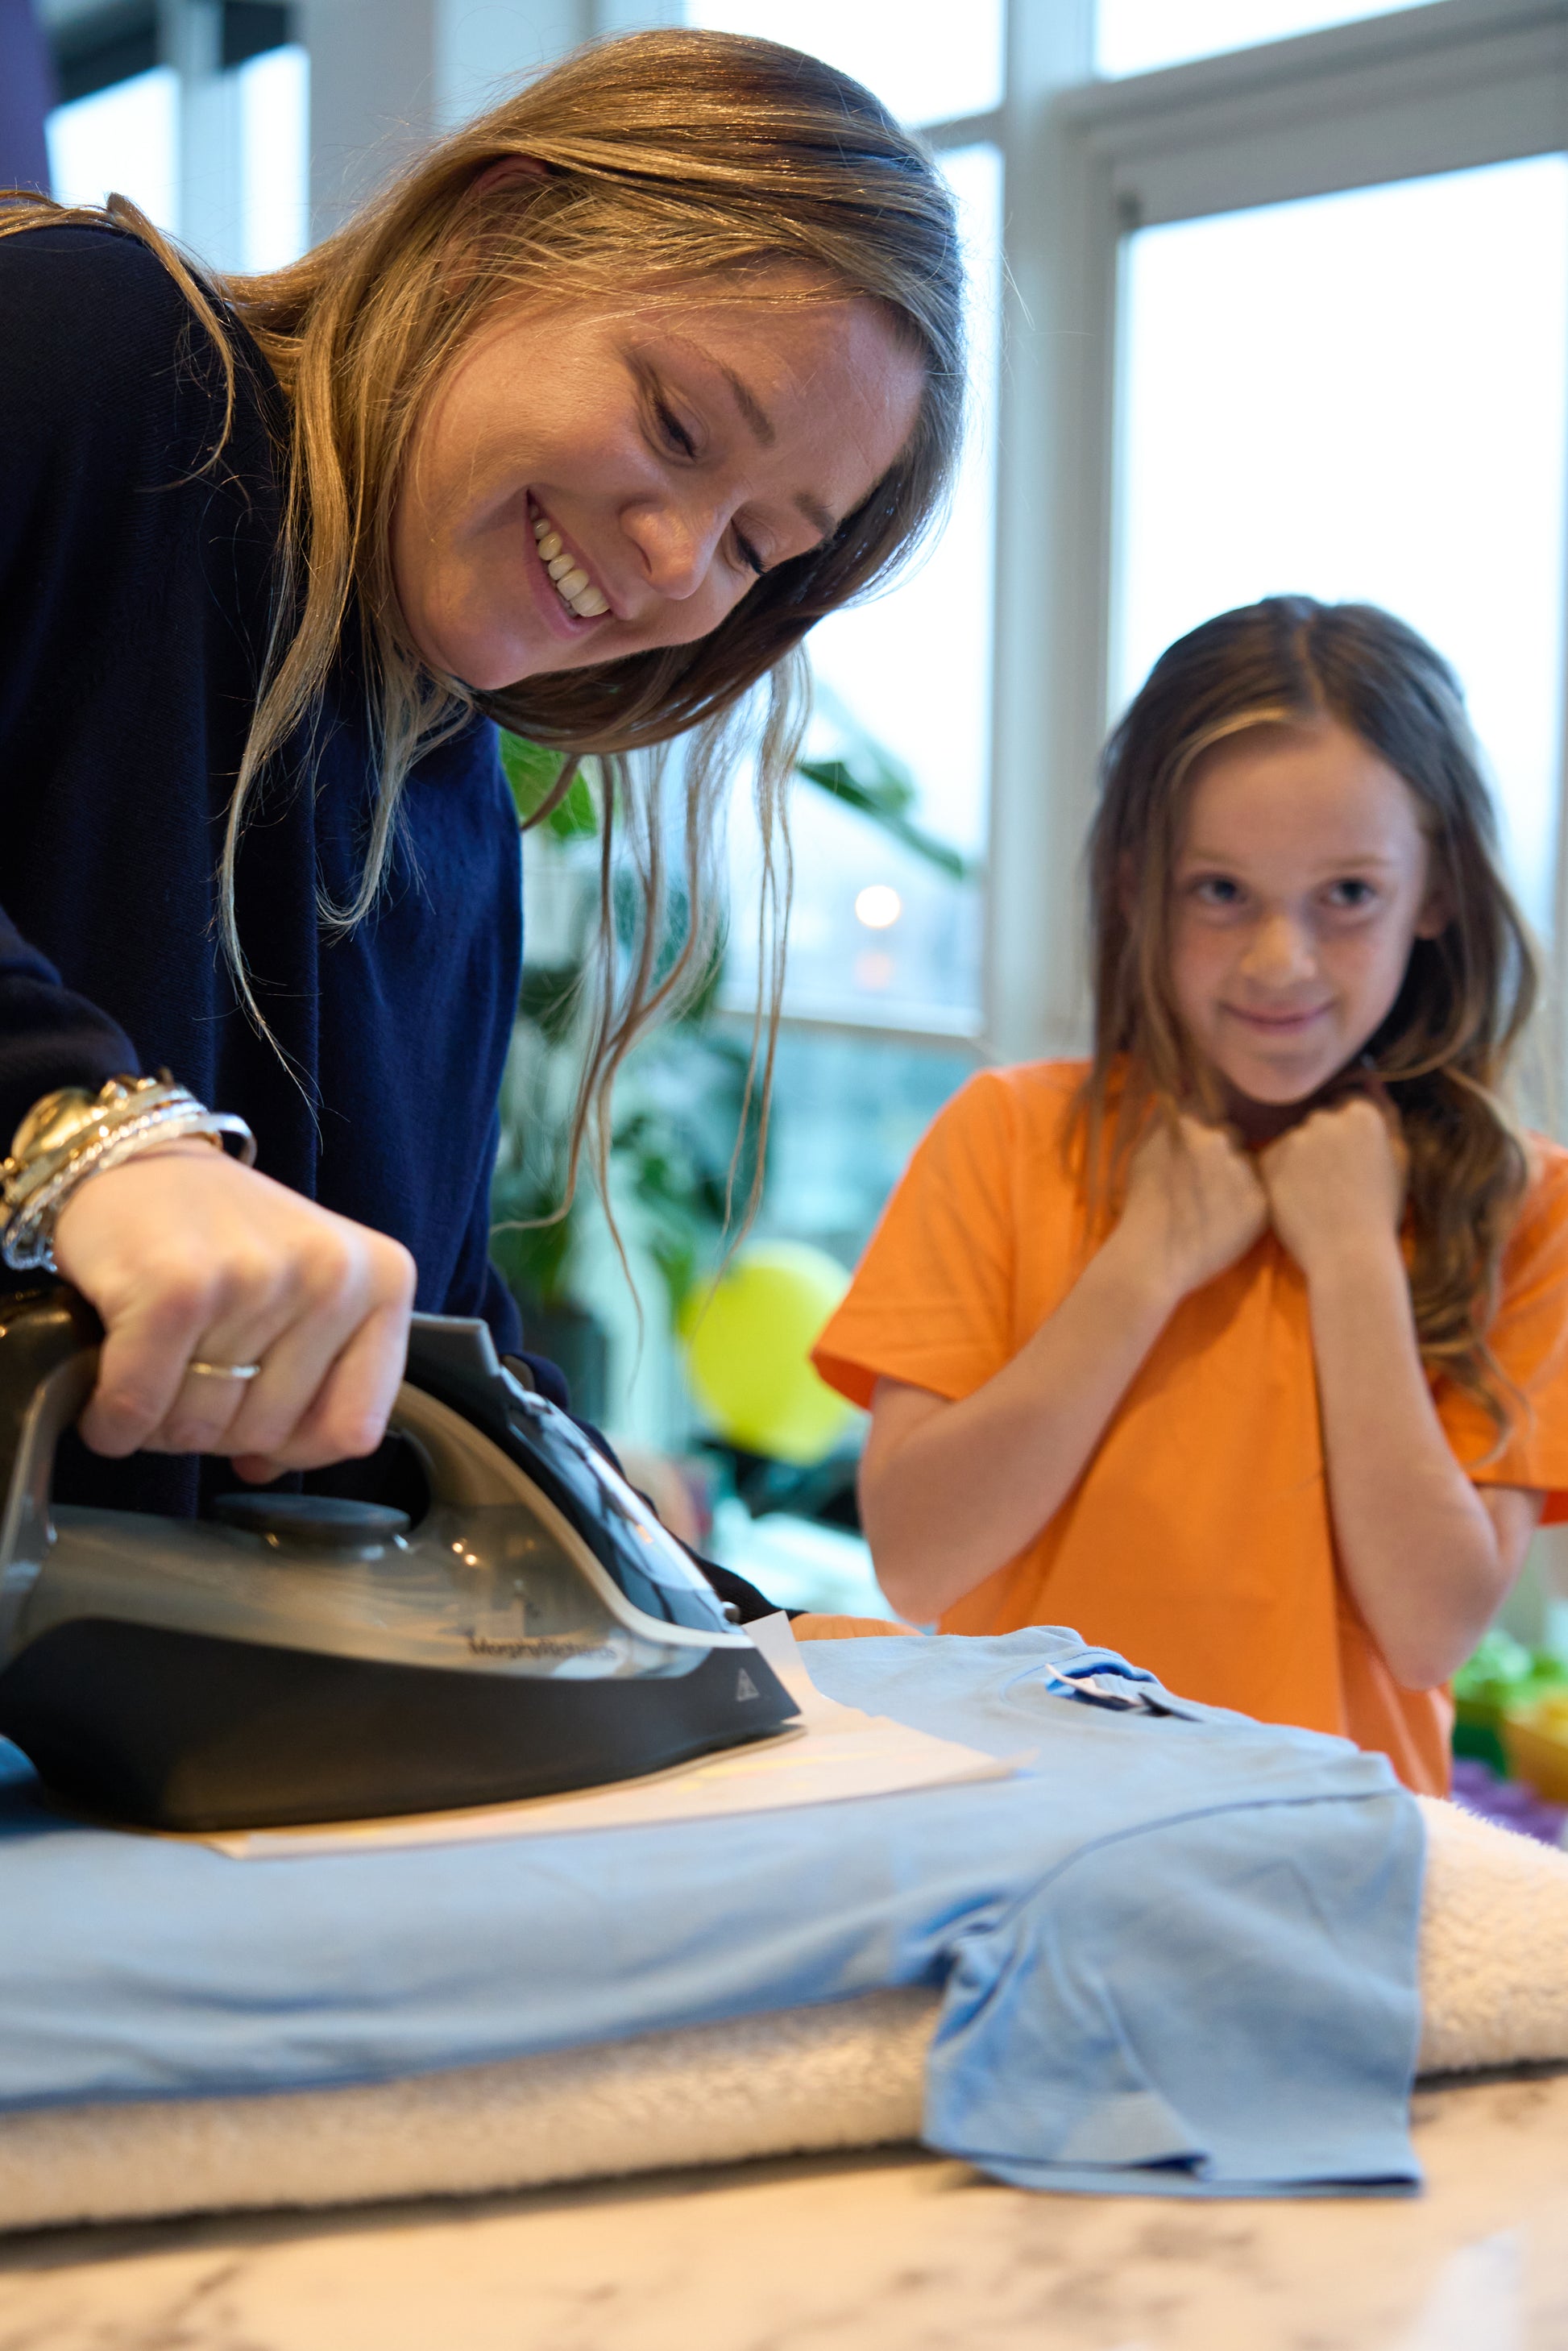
[1053,531]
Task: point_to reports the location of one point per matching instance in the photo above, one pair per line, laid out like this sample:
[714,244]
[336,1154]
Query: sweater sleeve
[48,1036]
[476,1287]
[101,412]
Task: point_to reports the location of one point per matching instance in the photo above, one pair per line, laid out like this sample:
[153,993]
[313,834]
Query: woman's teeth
[572,584]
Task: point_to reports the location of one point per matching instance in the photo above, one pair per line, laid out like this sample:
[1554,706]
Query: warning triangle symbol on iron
[746,1687]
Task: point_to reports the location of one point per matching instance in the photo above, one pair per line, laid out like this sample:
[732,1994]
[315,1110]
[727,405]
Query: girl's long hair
[659,165]
[1442,1051]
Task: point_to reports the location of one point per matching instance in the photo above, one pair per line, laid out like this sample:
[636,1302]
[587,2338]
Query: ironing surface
[1178,1949]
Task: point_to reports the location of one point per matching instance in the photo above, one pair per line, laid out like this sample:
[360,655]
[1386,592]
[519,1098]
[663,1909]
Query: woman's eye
[673,431]
[750,558]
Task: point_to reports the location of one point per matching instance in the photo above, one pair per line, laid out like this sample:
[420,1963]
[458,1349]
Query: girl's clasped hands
[1197,1199]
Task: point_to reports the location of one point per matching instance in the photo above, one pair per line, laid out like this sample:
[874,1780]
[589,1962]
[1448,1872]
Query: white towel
[1494,1982]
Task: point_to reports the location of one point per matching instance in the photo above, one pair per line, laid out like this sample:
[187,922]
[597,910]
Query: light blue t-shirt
[1178,1949]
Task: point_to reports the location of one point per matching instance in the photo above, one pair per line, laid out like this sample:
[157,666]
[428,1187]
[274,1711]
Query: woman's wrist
[70,1136]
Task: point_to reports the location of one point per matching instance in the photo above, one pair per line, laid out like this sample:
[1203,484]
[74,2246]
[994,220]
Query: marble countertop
[893,2251]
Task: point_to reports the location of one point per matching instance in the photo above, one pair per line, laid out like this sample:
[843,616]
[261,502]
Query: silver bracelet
[129,1117]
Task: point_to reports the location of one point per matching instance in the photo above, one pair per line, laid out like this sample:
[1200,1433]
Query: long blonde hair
[1443,1052]
[658,163]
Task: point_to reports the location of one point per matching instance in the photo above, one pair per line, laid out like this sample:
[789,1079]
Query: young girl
[1243,1347]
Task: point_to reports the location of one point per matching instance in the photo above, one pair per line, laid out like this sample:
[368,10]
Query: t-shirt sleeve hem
[1530,1478]
[856,1376]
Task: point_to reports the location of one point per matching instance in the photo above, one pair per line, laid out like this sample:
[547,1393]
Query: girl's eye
[1350,894]
[1216,890]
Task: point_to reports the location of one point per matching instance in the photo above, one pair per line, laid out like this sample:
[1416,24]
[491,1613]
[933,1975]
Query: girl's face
[1302,884]
[659,460]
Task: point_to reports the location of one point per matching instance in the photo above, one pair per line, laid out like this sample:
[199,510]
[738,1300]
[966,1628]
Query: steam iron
[534,1629]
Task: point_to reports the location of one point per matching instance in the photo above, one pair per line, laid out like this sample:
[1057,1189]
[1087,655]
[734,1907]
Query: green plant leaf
[882,801]
[548,996]
[533,773]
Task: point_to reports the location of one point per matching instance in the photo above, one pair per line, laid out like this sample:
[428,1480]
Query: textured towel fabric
[1176,1953]
[1494,1946]
[1494,1989]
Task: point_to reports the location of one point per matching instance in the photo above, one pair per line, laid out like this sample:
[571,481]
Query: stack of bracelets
[72,1134]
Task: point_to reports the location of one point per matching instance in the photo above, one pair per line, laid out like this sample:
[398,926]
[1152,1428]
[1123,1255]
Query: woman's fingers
[142,1365]
[343,1276]
[191,1258]
[347,1417]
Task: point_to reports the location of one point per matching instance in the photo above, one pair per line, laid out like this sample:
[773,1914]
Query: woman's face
[657,460]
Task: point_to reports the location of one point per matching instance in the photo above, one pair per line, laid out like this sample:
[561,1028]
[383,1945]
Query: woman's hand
[1194,1204]
[188,1256]
[1336,1182]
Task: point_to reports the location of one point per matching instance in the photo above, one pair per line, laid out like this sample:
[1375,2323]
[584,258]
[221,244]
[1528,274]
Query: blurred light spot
[879,906]
[874,970]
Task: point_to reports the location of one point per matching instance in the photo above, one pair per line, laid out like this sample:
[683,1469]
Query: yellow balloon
[748,1338]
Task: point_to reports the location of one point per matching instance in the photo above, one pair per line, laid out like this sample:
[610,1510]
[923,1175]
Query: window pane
[879,931]
[927,60]
[125,139]
[1135,35]
[275,200]
[1362,396]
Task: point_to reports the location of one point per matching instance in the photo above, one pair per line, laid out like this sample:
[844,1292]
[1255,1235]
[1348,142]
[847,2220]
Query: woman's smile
[576,590]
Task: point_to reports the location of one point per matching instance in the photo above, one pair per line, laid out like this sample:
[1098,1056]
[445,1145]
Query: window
[1293,318]
[199,116]
[882,933]
[1134,36]
[275,168]
[124,138]
[927,61]
[1362,396]
[879,933]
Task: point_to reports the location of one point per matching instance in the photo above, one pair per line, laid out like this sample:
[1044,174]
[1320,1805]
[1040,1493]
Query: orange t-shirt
[1198,1540]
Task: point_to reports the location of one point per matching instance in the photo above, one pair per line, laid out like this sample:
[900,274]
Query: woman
[580,426]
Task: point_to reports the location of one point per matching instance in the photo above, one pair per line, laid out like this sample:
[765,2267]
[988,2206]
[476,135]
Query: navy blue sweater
[135,593]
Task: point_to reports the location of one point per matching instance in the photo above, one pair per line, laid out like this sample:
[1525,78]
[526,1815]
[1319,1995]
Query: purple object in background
[26,94]
[1507,1803]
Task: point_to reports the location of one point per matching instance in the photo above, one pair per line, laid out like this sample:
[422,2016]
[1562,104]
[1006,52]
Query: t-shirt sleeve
[931,1302]
[1528,1339]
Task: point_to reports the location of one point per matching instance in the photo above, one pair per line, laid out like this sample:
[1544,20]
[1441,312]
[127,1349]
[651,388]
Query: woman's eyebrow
[763,429]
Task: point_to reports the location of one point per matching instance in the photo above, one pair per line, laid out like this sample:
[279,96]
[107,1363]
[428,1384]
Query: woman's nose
[676,546]
[1278,951]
